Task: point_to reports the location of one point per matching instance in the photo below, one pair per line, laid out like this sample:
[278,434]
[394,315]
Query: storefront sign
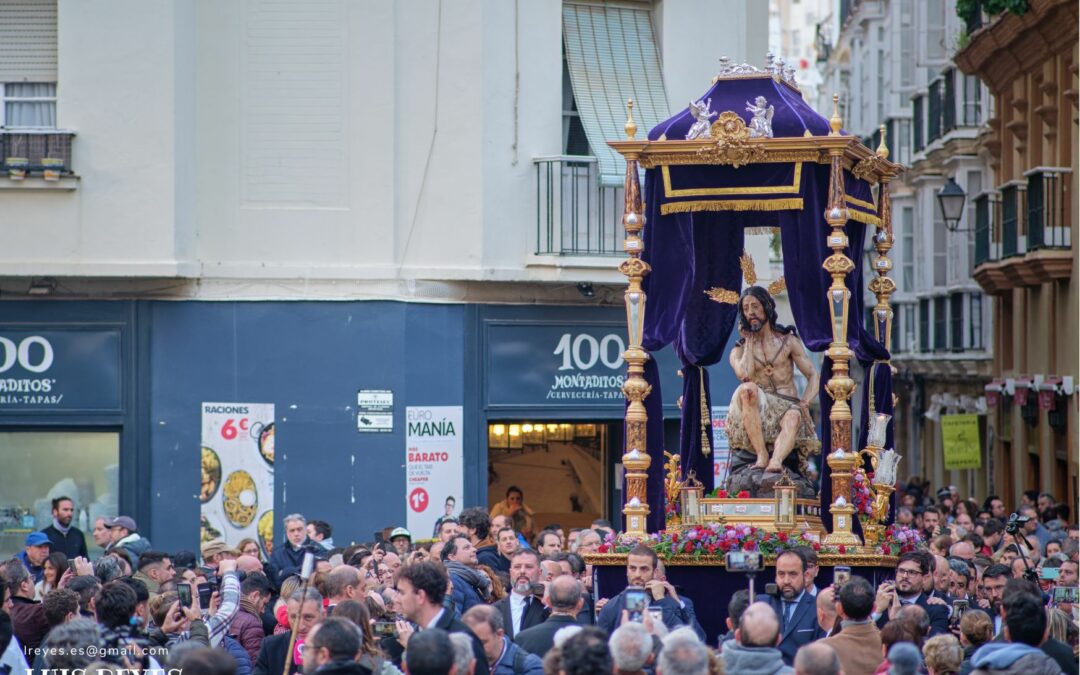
[375,411]
[59,370]
[561,365]
[960,441]
[721,449]
[237,492]
[434,466]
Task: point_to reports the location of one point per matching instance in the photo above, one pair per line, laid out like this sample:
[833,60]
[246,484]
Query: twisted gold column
[881,285]
[635,388]
[840,386]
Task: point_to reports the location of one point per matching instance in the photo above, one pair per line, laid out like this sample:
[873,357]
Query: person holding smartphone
[641,567]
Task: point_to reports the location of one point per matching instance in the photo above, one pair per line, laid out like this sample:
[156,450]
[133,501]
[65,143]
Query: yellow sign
[960,440]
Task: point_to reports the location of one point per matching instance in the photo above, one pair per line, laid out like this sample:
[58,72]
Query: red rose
[885,548]
[674,537]
[743,494]
[842,549]
[816,546]
[688,547]
[722,494]
[782,536]
[748,546]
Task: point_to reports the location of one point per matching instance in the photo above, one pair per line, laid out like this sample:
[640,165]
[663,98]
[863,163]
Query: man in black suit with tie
[520,609]
[796,607]
[908,590]
[565,596]
[641,564]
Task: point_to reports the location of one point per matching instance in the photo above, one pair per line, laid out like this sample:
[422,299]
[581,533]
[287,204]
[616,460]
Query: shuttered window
[28,40]
[612,56]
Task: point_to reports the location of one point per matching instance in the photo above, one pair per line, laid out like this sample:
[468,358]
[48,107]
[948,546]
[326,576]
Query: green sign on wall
[960,439]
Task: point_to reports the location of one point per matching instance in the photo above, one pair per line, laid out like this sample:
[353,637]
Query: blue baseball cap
[37,539]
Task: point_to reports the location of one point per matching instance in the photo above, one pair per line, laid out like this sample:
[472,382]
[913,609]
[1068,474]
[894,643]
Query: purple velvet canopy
[696,219]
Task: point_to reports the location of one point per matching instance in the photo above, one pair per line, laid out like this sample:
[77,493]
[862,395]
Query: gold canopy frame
[731,145]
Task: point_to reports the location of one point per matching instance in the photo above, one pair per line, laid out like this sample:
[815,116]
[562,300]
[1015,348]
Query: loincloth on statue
[771,408]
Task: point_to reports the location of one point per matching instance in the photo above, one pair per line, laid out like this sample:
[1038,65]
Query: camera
[384,629]
[743,561]
[1014,523]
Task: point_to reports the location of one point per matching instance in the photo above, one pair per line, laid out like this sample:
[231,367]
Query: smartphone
[958,609]
[538,590]
[384,629]
[637,600]
[72,568]
[205,591]
[1050,573]
[1066,594]
[657,614]
[183,593]
[772,590]
[841,574]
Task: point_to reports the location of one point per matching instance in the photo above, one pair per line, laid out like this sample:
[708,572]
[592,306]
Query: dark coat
[248,631]
[674,614]
[449,623]
[801,629]
[72,544]
[271,660]
[239,654]
[939,616]
[30,624]
[286,560]
[541,638]
[534,615]
[343,668]
[489,555]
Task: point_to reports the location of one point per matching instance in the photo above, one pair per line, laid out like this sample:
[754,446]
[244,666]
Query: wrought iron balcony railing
[35,151]
[1047,199]
[575,214]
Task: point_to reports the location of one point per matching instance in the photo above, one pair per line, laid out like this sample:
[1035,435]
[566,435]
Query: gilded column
[635,388]
[840,386]
[881,285]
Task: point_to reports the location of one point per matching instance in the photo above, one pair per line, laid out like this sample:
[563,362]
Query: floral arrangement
[900,539]
[861,496]
[713,539]
[723,494]
[672,509]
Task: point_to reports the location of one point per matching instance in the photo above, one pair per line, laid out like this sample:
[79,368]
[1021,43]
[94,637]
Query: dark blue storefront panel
[309,359]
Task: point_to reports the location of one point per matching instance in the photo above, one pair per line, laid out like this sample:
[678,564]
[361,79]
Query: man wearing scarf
[65,537]
[471,587]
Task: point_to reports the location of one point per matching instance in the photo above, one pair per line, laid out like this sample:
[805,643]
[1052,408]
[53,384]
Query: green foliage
[967,9]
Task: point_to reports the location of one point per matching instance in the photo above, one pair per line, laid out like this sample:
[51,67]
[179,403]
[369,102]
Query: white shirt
[518,603]
[435,619]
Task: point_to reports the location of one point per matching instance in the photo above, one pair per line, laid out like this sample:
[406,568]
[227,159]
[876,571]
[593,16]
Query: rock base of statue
[743,475]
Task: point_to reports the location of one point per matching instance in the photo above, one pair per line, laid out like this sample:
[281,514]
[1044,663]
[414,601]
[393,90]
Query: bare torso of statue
[767,408]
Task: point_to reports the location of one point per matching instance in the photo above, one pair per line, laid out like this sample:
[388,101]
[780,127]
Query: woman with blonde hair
[943,655]
[976,629]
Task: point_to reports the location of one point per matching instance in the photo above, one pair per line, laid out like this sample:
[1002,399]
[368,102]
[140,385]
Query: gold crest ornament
[749,272]
[733,143]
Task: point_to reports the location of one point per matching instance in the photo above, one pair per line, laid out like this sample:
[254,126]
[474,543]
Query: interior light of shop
[533,433]
[526,428]
[514,434]
[553,433]
[497,437]
[585,430]
[567,431]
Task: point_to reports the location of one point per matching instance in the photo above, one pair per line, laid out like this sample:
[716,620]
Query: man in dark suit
[565,597]
[796,607]
[907,590]
[65,537]
[274,649]
[641,565]
[423,588]
[520,609]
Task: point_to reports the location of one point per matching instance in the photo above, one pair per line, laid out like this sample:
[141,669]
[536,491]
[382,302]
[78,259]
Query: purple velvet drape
[692,252]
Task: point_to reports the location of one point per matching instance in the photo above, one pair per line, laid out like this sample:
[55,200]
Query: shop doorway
[563,469]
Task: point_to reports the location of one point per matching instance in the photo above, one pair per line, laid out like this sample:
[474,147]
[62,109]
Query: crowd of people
[990,592]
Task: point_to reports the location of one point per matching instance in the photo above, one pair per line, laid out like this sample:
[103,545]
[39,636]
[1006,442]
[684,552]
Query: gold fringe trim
[789,204]
[761,230]
[864,218]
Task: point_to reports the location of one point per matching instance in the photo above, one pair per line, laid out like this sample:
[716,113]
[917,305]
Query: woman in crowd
[942,655]
[975,631]
[370,654]
[55,565]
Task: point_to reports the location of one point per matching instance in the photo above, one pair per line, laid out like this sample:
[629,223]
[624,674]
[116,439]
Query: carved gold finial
[835,122]
[882,148]
[630,126]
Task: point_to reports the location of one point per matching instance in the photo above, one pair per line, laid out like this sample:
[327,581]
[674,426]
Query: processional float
[751,156]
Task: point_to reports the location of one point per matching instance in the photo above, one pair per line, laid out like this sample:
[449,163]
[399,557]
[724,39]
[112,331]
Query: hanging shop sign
[60,370]
[237,494]
[960,441]
[434,464]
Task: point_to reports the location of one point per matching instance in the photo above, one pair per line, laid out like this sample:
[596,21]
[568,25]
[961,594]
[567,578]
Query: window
[933,114]
[1010,211]
[941,246]
[924,325]
[941,326]
[908,312]
[917,124]
[28,105]
[972,100]
[907,240]
[935,30]
[907,44]
[901,140]
[948,108]
[80,465]
[975,341]
[956,322]
[974,187]
[574,141]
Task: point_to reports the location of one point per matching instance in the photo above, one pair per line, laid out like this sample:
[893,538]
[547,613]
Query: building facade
[892,66]
[1025,259]
[293,204]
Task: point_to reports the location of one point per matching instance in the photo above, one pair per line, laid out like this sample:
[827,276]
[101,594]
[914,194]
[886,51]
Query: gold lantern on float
[690,493]
[785,503]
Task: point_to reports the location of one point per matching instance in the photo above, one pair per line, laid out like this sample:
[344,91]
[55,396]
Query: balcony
[36,153]
[575,214]
[1028,241]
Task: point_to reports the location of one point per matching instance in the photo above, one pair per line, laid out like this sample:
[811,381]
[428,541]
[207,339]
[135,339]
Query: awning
[612,56]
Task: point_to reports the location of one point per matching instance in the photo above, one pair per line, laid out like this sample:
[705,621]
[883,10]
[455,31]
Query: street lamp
[951,201]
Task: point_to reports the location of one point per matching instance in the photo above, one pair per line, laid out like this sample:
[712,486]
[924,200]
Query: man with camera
[907,590]
[796,607]
[645,589]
